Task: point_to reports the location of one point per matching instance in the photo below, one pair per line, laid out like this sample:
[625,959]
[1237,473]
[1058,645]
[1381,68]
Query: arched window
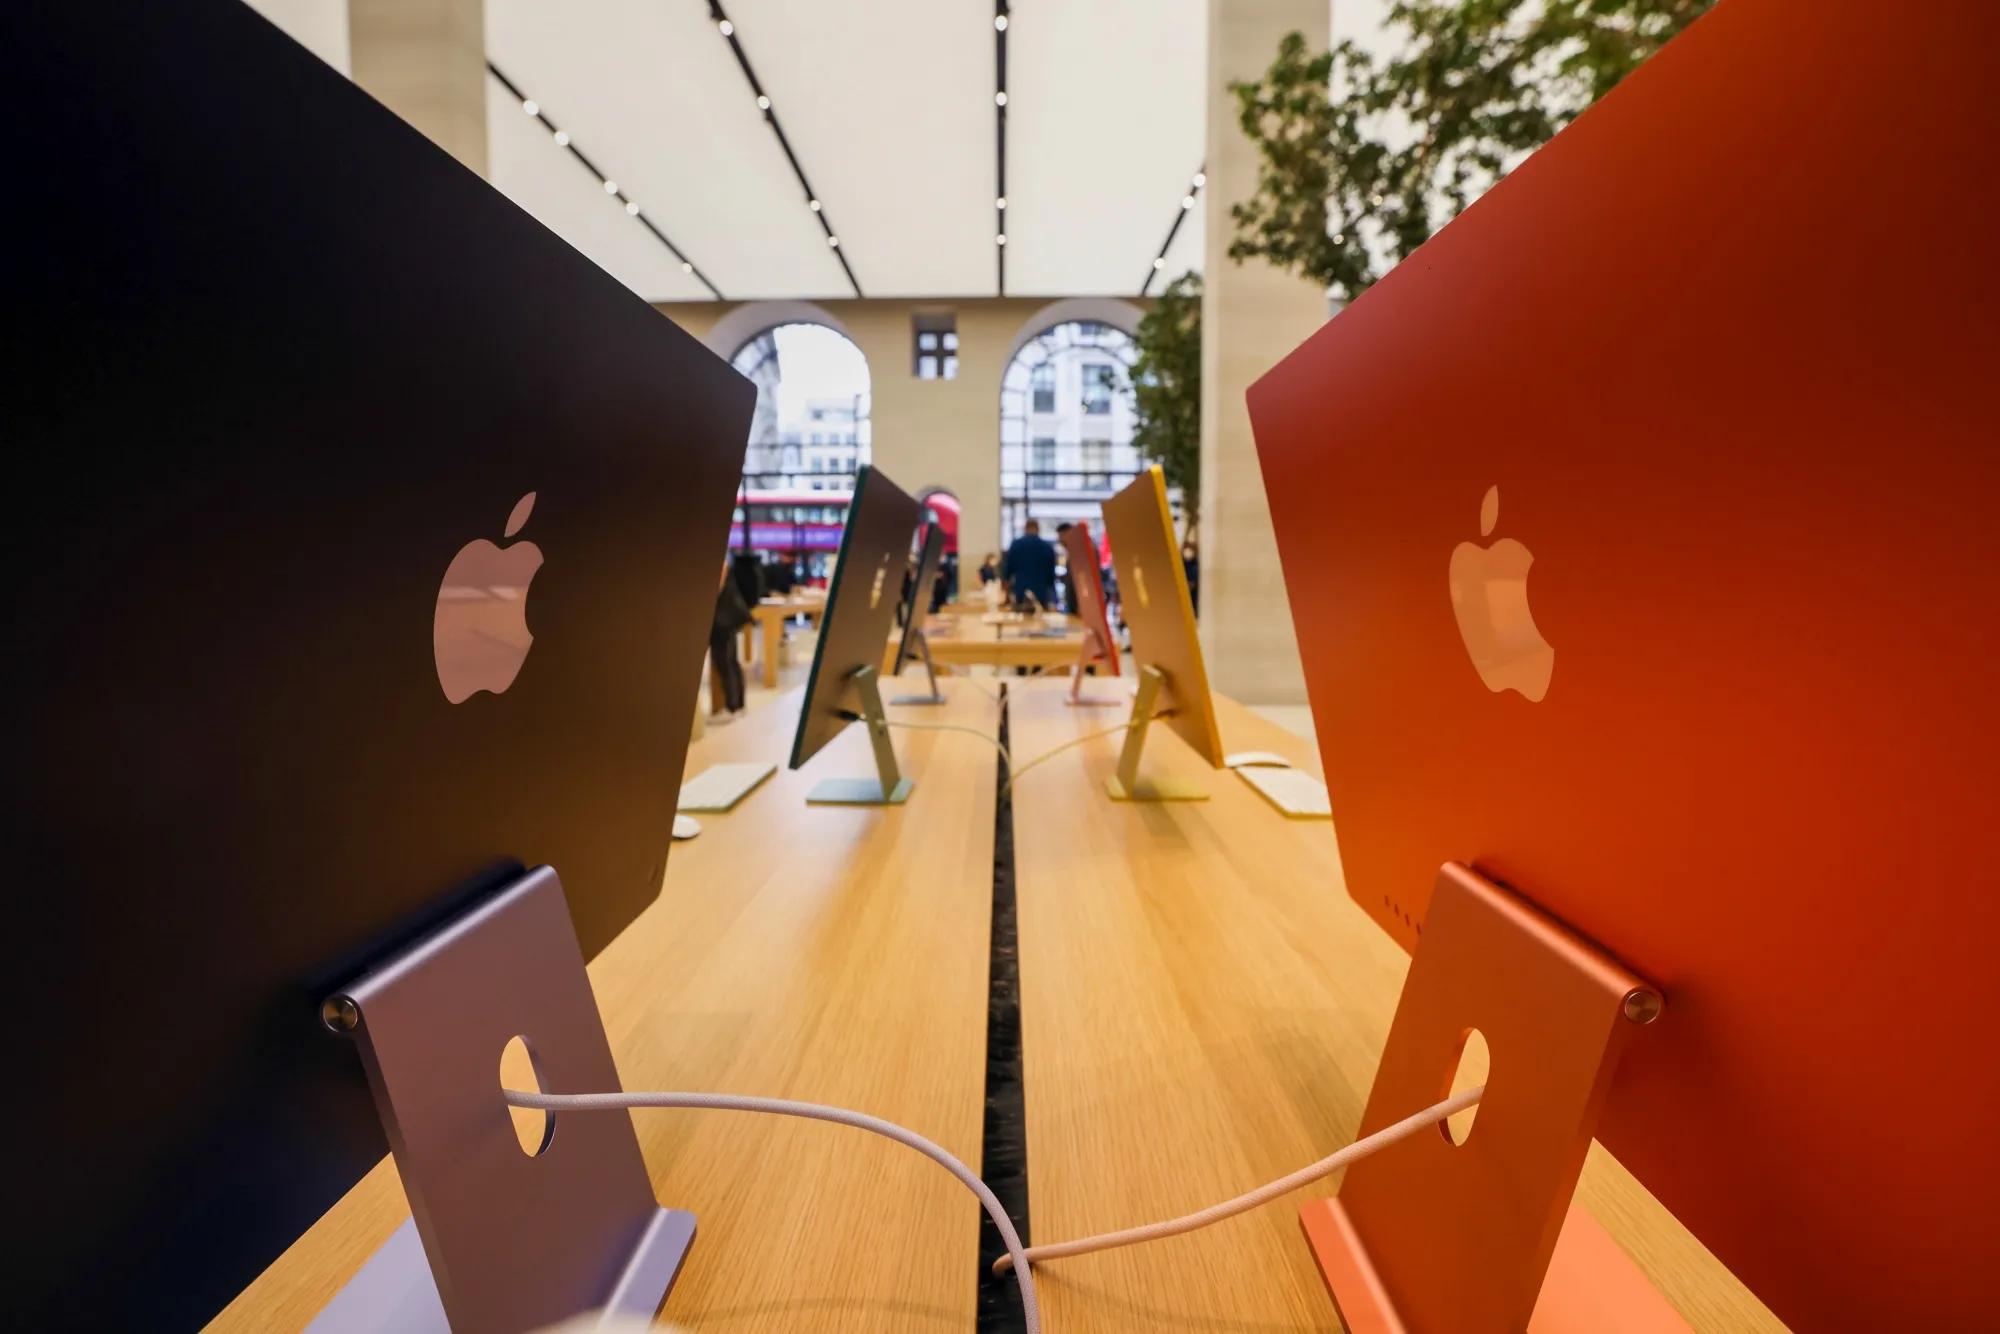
[1065,426]
[808,438]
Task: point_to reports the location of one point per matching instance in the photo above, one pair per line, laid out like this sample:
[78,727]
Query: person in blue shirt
[1031,566]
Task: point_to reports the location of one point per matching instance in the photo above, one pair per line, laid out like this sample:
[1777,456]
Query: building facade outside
[823,452]
[1066,426]
[801,440]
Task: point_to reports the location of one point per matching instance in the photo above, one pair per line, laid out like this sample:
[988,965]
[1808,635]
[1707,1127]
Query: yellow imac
[1153,599]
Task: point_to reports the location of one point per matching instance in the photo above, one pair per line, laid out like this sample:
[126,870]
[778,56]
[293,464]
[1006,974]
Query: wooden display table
[1202,1011]
[965,641]
[827,953]
[768,619]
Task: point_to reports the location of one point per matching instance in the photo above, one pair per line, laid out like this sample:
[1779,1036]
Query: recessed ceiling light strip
[1002,16]
[727,28]
[632,209]
[1187,207]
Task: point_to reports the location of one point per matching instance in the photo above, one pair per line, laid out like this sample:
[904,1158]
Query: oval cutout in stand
[1474,1063]
[534,1129]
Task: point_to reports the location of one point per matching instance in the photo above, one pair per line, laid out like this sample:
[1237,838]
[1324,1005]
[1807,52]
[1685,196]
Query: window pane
[927,368]
[1042,454]
[927,342]
[951,342]
[1097,383]
[951,368]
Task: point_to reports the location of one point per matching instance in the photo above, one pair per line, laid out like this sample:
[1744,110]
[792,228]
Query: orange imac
[1153,598]
[1648,521]
[1086,578]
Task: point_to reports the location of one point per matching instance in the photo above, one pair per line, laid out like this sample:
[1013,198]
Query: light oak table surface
[767,621]
[830,954]
[962,642]
[1202,1011]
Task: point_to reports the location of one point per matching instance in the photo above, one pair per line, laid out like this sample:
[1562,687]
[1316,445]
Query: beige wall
[318,25]
[927,433]
[1252,316]
[426,61]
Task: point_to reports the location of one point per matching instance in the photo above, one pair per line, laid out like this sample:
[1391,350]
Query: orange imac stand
[1435,1237]
[1093,650]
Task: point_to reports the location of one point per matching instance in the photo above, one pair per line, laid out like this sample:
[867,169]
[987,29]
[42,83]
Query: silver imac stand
[888,787]
[936,696]
[500,1241]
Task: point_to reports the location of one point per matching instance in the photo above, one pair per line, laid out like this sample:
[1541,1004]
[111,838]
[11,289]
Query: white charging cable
[987,737]
[1126,726]
[1018,1257]
[1215,1213]
[811,1111]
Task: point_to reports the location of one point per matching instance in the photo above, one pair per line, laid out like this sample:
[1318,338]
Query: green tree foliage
[1166,391]
[1353,180]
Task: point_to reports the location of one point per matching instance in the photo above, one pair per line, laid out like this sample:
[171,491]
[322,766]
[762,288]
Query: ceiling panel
[650,91]
[1105,131]
[563,196]
[889,105]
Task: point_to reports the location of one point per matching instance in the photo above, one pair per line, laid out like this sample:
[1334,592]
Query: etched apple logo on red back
[1489,595]
[480,632]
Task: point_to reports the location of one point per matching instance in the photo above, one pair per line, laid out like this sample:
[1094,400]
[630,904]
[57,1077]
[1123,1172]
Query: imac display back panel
[860,607]
[917,607]
[1088,581]
[1153,596]
[361,550]
[1638,563]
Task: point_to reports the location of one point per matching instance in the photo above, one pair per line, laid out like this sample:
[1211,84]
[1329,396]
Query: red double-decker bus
[804,526]
[797,524]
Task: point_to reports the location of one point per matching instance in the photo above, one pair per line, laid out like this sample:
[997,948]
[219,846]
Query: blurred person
[748,572]
[780,576]
[1030,567]
[945,588]
[1065,577]
[732,613]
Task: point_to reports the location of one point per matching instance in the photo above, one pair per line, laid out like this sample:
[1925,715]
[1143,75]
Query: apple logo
[1489,595]
[480,633]
[875,592]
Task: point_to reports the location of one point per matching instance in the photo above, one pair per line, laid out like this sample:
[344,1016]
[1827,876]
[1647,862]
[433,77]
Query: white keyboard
[1297,793]
[720,786]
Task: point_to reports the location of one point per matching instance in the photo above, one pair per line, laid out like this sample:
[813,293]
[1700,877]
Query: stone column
[1252,316]
[426,61]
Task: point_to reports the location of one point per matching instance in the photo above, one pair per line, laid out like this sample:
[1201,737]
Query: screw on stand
[1643,1006]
